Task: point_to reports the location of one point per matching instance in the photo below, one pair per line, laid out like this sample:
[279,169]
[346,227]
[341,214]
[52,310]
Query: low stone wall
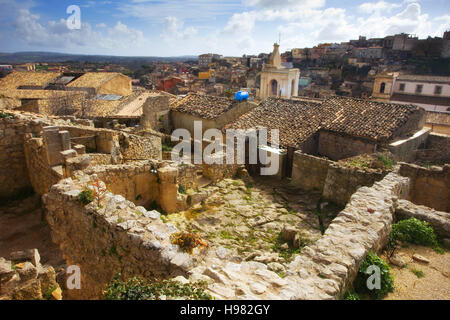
[405,150]
[13,169]
[436,150]
[429,187]
[337,146]
[42,175]
[309,172]
[342,182]
[325,269]
[440,221]
[118,236]
[134,181]
[336,182]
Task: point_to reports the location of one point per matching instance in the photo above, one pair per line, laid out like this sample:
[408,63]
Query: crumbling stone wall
[342,182]
[336,146]
[309,172]
[29,279]
[429,187]
[116,236]
[436,149]
[155,113]
[336,181]
[439,220]
[41,174]
[13,169]
[325,269]
[405,150]
[134,181]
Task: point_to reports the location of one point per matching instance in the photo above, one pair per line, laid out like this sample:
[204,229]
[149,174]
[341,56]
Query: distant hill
[23,57]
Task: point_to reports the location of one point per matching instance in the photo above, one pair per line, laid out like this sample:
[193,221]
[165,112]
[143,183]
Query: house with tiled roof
[337,128]
[213,112]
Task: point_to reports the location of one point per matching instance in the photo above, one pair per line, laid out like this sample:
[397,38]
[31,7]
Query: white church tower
[278,81]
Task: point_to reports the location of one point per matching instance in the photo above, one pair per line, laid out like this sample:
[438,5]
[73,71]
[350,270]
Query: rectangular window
[402,87]
[419,88]
[438,90]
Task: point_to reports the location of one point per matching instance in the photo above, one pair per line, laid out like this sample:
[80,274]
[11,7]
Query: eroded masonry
[264,237]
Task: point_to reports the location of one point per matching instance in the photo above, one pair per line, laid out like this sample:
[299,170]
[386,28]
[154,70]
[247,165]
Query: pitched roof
[38,79]
[295,120]
[367,118]
[299,120]
[92,79]
[203,106]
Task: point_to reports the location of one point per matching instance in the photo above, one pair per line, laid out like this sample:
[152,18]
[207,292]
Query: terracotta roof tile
[299,120]
[203,106]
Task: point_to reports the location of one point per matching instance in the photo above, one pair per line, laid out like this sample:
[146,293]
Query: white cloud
[380,6]
[174,30]
[278,4]
[55,34]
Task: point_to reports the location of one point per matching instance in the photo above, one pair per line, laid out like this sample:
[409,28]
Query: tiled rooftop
[299,120]
[16,79]
[205,107]
[296,120]
[92,79]
[366,118]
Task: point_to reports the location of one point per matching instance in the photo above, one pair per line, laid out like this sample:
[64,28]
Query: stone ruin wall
[37,152]
[134,181]
[41,174]
[325,269]
[342,182]
[436,149]
[439,220]
[121,236]
[336,182]
[337,146]
[429,187]
[13,171]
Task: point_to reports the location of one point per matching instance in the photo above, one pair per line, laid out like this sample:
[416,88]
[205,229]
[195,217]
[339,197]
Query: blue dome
[241,96]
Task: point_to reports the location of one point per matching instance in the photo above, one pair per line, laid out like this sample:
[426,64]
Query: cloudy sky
[191,27]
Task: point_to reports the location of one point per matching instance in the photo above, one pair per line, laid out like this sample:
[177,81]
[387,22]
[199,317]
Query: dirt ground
[22,227]
[434,284]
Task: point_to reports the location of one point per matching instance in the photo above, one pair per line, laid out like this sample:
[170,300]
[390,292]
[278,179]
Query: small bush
[139,289]
[414,231]
[387,162]
[6,115]
[351,295]
[86,196]
[166,148]
[188,241]
[419,273]
[181,189]
[387,281]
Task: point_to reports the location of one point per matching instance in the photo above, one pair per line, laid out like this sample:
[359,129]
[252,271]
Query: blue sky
[191,27]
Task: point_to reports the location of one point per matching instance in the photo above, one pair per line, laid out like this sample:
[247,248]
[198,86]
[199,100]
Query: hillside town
[360,131]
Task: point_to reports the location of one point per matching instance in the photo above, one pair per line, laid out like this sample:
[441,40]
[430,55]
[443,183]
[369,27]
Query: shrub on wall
[386,279]
[86,196]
